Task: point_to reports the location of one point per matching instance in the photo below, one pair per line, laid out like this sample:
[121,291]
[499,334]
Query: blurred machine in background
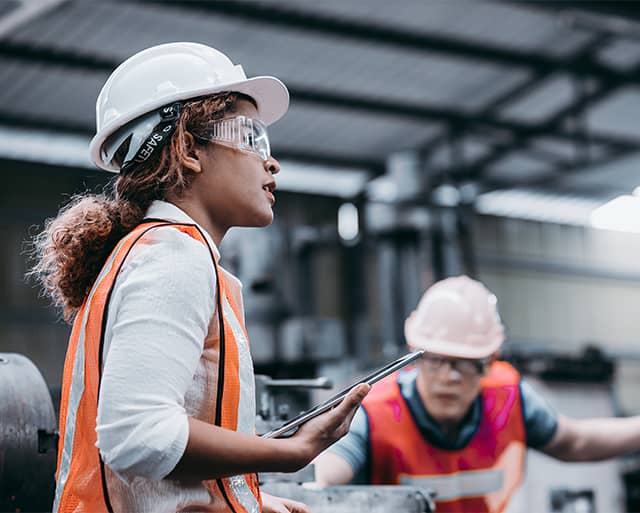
[579,386]
[28,437]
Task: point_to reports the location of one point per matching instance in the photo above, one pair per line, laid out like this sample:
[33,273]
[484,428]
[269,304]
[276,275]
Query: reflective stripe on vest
[76,386]
[479,477]
[462,484]
[247,405]
[240,487]
[80,483]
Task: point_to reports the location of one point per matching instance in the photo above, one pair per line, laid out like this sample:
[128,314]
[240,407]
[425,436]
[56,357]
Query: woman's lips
[268,188]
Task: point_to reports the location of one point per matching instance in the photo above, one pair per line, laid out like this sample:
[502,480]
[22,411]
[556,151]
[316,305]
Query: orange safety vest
[81,482]
[480,477]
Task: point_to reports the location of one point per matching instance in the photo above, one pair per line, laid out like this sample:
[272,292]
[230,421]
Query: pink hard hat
[456,317]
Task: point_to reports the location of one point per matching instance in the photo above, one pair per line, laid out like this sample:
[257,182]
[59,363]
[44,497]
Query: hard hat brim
[269,93]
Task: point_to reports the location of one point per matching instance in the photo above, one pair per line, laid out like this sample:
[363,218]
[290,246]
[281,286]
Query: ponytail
[73,247]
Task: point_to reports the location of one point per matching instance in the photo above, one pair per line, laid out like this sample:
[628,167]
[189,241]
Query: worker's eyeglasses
[466,367]
[244,133]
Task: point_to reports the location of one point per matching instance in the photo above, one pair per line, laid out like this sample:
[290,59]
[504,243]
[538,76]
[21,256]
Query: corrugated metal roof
[517,166]
[619,113]
[551,95]
[468,67]
[522,27]
[365,136]
[333,63]
[621,53]
[6,6]
[470,151]
[620,176]
[48,92]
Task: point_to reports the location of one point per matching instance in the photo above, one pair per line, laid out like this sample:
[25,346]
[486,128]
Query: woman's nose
[271,165]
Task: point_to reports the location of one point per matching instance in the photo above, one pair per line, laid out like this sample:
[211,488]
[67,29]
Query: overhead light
[446,195]
[44,147]
[383,189]
[620,214]
[538,206]
[348,228]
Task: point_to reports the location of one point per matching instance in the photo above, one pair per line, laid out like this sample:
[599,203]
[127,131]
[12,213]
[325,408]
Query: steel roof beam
[521,90]
[454,118]
[572,110]
[517,92]
[27,11]
[581,134]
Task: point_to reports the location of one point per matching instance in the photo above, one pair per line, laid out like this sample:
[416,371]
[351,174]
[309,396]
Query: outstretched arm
[594,439]
[332,469]
[340,464]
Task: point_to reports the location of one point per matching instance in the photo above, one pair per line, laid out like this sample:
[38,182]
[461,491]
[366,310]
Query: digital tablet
[372,378]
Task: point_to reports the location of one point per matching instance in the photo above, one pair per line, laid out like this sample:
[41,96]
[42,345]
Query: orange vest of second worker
[480,477]
[84,482]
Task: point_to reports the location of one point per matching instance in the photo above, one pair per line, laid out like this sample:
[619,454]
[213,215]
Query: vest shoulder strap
[501,374]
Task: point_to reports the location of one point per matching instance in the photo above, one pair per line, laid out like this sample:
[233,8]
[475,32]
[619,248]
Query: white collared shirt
[159,312]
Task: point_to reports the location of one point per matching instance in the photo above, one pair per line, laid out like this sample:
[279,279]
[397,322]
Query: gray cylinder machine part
[356,498]
[28,437]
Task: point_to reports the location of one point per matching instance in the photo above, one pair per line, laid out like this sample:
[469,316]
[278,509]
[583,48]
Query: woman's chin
[260,220]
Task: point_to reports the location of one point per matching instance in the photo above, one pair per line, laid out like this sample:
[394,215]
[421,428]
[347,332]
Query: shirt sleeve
[540,419]
[354,447]
[158,318]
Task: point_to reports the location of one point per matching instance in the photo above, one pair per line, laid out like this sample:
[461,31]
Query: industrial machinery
[273,409]
[564,500]
[28,437]
[356,498]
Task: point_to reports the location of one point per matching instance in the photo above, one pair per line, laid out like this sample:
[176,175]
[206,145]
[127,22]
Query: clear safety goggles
[465,366]
[246,134]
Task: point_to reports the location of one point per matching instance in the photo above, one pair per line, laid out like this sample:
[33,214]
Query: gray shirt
[540,422]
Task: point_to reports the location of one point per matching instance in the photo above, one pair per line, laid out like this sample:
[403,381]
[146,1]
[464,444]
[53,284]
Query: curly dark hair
[71,250]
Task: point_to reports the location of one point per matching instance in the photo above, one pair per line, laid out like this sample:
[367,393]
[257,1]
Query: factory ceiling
[498,94]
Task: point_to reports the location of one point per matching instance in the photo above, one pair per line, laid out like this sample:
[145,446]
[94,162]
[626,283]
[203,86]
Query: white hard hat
[167,73]
[456,317]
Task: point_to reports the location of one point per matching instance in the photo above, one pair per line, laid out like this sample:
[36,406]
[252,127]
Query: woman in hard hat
[461,421]
[157,411]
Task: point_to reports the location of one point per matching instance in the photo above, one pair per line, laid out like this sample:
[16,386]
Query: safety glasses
[241,132]
[466,367]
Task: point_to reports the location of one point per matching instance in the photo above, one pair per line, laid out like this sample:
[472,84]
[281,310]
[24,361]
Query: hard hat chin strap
[162,132]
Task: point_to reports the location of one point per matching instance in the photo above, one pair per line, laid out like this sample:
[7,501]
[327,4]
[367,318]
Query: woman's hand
[326,429]
[272,504]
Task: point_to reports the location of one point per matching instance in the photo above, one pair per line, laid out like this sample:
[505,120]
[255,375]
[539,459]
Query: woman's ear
[191,159]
